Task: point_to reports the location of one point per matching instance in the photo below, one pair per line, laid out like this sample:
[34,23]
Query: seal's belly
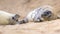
[4,19]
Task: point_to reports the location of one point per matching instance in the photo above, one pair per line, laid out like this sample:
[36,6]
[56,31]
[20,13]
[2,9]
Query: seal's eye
[12,17]
[15,17]
[47,13]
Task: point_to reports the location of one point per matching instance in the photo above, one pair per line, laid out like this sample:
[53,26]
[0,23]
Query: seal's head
[47,14]
[14,19]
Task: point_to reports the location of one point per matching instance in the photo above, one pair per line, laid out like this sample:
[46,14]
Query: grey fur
[36,14]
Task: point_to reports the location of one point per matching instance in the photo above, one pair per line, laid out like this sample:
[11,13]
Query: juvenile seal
[8,18]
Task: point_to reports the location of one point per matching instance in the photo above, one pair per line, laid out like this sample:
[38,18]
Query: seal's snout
[22,22]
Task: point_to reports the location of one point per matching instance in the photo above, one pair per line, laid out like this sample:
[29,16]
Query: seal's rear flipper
[22,21]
